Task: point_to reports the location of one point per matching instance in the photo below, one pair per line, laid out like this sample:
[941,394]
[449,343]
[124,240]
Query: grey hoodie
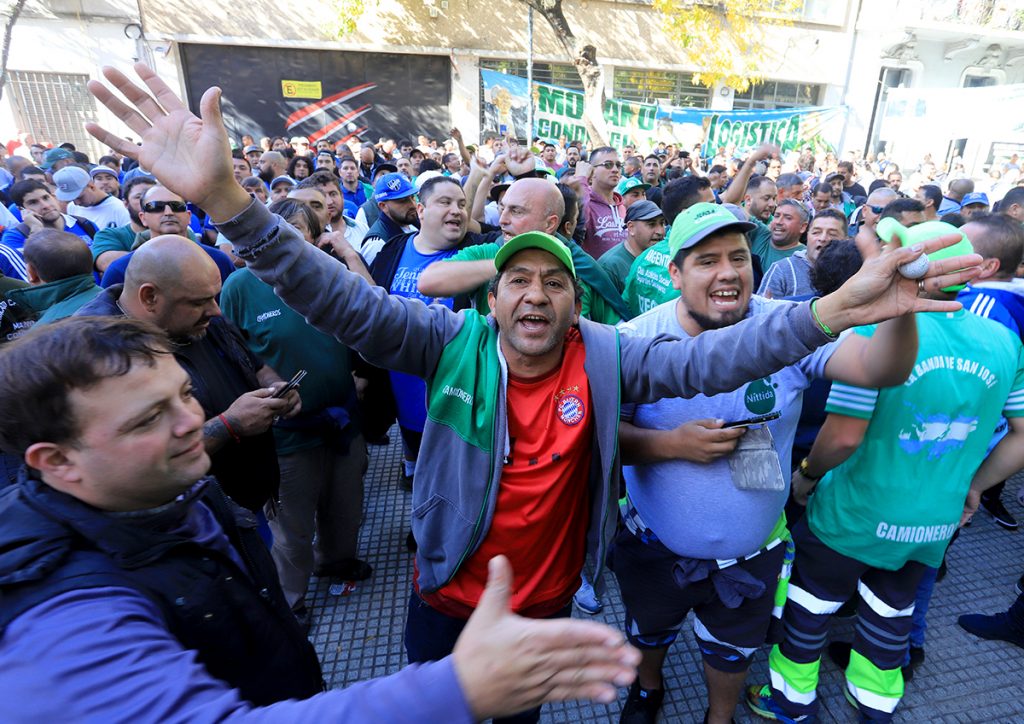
[789,277]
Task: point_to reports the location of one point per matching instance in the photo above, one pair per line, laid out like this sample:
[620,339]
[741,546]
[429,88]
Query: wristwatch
[804,467]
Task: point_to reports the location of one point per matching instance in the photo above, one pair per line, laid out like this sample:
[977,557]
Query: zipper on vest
[487,495]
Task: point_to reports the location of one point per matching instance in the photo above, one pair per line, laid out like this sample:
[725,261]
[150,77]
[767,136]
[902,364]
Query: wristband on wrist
[804,468]
[824,327]
[227,426]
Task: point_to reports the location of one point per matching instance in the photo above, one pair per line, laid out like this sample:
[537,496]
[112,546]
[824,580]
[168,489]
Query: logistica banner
[559,112]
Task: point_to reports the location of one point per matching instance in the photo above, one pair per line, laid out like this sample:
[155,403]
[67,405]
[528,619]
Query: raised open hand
[506,663]
[187,154]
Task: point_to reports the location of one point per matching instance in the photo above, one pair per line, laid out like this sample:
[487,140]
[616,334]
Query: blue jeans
[924,596]
[430,636]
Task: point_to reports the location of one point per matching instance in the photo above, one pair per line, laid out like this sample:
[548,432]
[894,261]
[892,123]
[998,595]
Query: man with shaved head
[173,283]
[530,204]
[872,209]
[958,188]
[272,165]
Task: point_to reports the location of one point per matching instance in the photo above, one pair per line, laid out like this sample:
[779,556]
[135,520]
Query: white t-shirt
[108,213]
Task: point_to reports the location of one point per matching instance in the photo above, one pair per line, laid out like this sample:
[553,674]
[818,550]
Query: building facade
[422,57]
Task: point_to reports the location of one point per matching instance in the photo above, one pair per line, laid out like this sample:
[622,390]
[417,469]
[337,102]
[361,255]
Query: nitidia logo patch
[570,410]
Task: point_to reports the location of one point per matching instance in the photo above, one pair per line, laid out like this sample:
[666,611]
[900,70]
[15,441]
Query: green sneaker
[759,700]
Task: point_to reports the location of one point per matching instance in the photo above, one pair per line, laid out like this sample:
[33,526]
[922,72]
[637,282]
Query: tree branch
[584,58]
[16,9]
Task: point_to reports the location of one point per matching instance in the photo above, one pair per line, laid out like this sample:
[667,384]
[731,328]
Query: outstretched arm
[723,359]
[738,188]
[449,278]
[191,157]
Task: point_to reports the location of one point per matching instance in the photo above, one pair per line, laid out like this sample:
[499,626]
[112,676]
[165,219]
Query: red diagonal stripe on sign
[306,112]
[356,133]
[326,130]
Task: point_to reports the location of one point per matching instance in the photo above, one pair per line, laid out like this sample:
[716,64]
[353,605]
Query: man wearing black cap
[396,201]
[645,227]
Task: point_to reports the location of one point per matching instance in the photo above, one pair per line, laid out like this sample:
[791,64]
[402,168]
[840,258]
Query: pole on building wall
[846,83]
[529,75]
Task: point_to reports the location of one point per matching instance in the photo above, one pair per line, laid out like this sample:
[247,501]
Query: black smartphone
[754,420]
[292,384]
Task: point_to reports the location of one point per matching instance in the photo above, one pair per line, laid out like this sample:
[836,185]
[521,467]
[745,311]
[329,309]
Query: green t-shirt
[761,245]
[479,252]
[899,497]
[648,282]
[285,341]
[617,261]
[116,238]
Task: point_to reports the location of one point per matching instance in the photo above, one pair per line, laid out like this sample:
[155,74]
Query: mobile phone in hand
[292,384]
[760,419]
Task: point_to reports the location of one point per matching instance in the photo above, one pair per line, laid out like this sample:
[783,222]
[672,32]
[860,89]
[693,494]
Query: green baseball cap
[535,240]
[700,221]
[55,155]
[628,184]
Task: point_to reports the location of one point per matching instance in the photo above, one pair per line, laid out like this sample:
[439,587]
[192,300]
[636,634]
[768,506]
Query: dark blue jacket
[227,608]
[1001,302]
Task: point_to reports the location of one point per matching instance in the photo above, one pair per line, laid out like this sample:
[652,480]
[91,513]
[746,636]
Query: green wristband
[824,327]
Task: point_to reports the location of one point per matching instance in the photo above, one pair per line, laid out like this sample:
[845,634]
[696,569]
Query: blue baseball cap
[977,197]
[392,187]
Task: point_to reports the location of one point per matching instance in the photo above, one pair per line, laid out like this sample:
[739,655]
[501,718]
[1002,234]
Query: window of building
[825,12]
[776,95]
[659,86]
[563,75]
[54,107]
[979,81]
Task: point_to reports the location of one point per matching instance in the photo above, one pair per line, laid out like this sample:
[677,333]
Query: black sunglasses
[156,207]
[877,209]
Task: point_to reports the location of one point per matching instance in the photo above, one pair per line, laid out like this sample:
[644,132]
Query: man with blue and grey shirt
[791,277]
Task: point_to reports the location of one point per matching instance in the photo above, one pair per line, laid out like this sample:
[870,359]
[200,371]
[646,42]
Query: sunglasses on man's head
[609,164]
[156,207]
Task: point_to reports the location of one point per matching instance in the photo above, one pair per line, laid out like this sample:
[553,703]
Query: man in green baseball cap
[695,473]
[535,240]
[631,190]
[535,298]
[57,158]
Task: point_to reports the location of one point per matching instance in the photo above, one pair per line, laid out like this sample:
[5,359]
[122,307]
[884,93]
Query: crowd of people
[716,378]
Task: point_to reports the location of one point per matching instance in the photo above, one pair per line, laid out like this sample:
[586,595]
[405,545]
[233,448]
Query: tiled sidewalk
[359,636]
